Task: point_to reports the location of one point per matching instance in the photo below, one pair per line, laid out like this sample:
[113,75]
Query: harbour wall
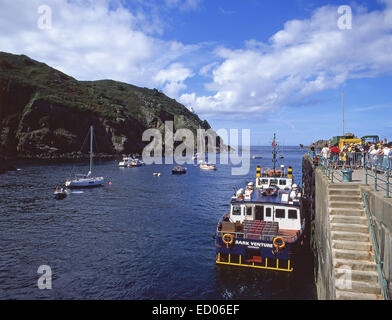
[315,186]
[381,212]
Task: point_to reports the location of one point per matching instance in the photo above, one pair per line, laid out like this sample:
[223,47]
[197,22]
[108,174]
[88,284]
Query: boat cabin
[288,217]
[284,208]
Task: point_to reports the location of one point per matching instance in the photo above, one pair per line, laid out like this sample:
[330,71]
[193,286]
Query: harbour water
[142,237]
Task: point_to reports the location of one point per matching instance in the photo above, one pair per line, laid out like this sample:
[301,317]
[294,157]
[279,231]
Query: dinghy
[60,193]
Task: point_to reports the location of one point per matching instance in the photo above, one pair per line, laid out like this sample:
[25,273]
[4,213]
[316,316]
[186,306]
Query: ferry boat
[265,226]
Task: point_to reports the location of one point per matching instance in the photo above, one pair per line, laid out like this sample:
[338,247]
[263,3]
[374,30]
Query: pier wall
[381,212]
[315,187]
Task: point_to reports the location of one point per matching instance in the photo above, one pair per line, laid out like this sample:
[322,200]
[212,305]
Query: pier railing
[380,263]
[381,172]
[378,168]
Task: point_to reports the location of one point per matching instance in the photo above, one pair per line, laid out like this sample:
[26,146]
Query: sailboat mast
[91,148]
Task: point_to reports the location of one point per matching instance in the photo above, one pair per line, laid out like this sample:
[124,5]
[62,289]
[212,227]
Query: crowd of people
[359,155]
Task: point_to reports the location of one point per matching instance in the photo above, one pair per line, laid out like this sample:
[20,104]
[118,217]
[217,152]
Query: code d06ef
[218,309]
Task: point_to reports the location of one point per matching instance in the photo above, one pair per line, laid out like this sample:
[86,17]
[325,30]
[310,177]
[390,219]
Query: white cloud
[206,70]
[304,58]
[173,78]
[90,40]
[101,39]
[175,72]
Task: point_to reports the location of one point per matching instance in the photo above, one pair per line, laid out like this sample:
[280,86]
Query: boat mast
[91,149]
[274,154]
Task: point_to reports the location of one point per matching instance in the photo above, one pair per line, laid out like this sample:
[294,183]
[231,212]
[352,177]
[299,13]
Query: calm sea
[143,237]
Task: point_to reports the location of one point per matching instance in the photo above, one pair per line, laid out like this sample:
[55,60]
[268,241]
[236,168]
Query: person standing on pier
[335,151]
[325,152]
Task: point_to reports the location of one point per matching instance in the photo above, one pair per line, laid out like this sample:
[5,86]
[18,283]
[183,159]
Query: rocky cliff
[45,113]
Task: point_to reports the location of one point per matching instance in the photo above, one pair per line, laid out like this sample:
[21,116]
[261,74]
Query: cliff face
[45,113]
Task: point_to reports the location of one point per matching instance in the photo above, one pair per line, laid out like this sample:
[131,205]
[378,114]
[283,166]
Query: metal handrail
[377,178]
[327,166]
[380,263]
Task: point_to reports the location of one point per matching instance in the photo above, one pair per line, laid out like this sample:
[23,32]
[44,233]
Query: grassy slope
[106,97]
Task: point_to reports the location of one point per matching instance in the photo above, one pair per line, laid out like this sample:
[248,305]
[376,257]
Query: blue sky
[268,66]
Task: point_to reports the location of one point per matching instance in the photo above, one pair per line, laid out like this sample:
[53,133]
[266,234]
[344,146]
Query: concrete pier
[345,264]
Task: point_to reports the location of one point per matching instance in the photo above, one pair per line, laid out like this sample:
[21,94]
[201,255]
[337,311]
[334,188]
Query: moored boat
[86,180]
[179,170]
[60,193]
[207,166]
[265,226]
[126,161]
[135,163]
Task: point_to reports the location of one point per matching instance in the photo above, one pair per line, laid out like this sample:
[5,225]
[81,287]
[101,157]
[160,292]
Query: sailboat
[86,180]
[203,165]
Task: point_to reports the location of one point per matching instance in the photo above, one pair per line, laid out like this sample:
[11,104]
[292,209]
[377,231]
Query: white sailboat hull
[207,167]
[85,183]
[123,164]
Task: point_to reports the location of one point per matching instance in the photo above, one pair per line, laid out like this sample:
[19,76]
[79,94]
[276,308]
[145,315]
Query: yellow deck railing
[265,266]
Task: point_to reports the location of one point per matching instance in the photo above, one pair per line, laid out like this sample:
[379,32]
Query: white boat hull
[85,183]
[123,164]
[207,167]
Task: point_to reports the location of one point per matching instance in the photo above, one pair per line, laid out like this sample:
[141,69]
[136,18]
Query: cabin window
[264,181]
[293,214]
[248,211]
[259,212]
[236,211]
[280,213]
[282,182]
[268,212]
[273,182]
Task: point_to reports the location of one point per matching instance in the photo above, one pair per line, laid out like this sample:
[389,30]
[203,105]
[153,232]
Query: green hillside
[46,112]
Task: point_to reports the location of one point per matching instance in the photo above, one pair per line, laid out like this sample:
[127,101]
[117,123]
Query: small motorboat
[281,157]
[60,193]
[206,166]
[135,163]
[125,162]
[156,174]
[179,170]
[256,157]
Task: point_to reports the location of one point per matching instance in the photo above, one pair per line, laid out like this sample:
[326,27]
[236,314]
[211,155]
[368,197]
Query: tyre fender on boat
[229,241]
